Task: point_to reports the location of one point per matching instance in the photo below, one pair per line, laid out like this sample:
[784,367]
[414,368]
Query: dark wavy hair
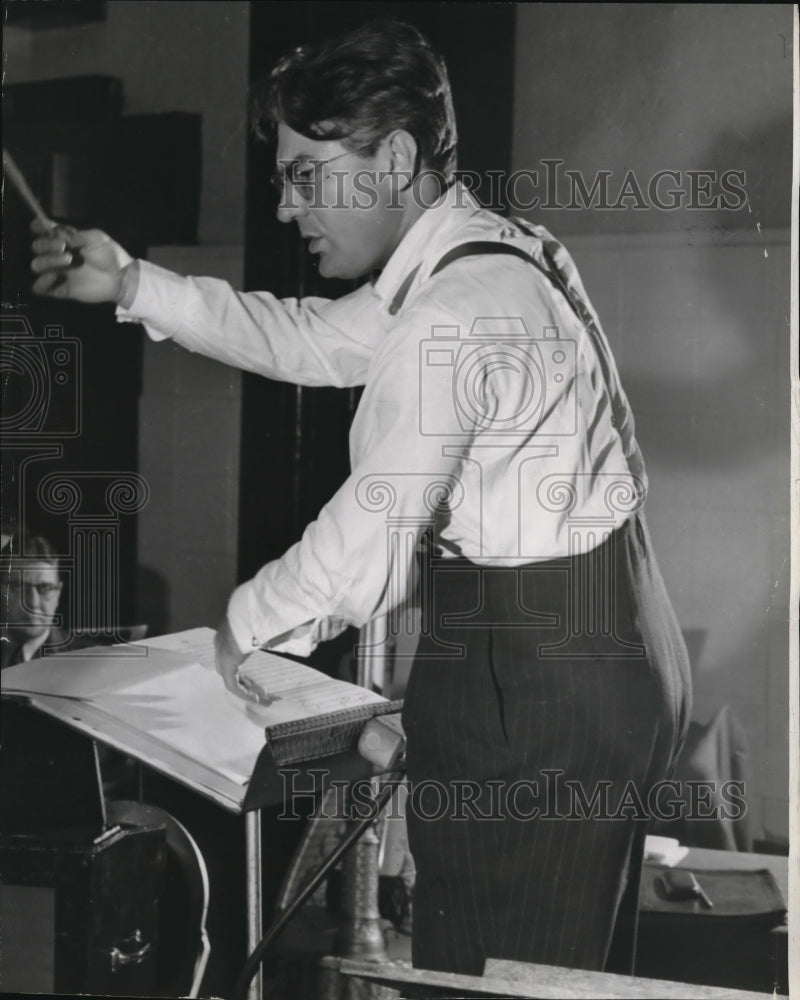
[361,86]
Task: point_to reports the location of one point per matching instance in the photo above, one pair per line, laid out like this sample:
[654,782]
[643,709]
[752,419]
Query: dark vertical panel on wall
[294,442]
[71,379]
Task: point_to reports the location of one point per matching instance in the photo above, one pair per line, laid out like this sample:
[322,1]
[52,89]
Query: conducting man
[550,667]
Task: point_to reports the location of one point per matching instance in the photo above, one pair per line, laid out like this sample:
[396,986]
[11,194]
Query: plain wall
[696,306]
[171,56]
[652,87]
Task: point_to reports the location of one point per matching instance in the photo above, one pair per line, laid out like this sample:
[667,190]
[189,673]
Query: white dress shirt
[489,413]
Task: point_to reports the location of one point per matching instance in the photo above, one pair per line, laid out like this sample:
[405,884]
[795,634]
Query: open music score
[169,708]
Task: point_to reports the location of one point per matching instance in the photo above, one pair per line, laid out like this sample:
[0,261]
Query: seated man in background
[31,591]
[47,772]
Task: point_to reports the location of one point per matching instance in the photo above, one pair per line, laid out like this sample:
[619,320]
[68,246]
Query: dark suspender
[556,279]
[478,247]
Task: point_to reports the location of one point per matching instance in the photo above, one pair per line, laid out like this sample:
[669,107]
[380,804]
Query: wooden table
[742,943]
[700,858]
[545,982]
[538,982]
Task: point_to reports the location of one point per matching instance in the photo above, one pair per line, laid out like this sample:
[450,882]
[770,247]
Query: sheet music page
[295,690]
[299,691]
[196,642]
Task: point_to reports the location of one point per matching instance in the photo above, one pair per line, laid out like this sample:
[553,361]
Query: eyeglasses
[44,590]
[306,177]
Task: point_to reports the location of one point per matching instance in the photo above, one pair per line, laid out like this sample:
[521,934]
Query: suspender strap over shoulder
[480,247]
[576,303]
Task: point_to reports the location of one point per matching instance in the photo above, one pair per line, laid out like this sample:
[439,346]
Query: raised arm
[311,341]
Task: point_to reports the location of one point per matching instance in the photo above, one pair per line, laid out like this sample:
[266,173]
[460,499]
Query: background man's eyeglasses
[44,590]
[306,177]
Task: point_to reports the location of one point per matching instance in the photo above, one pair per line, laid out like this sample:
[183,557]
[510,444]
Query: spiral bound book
[161,701]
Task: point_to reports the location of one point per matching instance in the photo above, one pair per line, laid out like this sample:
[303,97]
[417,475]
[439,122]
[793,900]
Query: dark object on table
[677,883]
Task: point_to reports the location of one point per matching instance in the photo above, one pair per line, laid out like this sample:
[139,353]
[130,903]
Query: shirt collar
[428,236]
[13,642]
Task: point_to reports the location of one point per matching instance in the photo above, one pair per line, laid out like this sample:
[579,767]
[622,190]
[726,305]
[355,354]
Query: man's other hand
[85,265]
[229,656]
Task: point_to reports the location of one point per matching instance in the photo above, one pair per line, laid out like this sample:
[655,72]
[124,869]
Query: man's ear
[403,151]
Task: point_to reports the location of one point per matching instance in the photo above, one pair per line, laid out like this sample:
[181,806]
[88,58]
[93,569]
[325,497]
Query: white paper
[196,642]
[172,693]
[88,673]
[664,850]
[187,709]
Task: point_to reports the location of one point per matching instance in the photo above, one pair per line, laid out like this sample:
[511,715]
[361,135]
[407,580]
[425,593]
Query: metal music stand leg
[252,833]
[361,932]
[252,969]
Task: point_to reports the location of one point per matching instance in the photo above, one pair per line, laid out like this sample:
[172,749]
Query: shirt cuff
[151,295]
[299,641]
[130,285]
[239,619]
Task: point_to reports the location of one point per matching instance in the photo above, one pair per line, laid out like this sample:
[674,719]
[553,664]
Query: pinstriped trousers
[538,688]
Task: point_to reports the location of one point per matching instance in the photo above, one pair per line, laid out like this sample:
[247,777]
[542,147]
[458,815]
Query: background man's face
[348,219]
[31,601]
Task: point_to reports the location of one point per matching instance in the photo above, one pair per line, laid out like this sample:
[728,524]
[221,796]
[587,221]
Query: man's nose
[291,207]
[34,600]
